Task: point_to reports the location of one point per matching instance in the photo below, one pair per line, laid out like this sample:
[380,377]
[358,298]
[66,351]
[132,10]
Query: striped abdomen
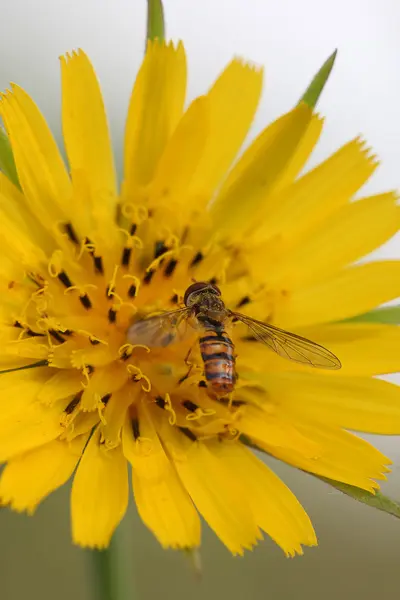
[217,352]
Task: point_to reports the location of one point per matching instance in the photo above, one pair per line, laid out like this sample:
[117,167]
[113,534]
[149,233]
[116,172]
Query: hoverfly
[205,310]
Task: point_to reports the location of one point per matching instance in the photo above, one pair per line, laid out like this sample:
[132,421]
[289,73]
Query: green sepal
[314,90]
[389,315]
[155,20]
[7,163]
[377,500]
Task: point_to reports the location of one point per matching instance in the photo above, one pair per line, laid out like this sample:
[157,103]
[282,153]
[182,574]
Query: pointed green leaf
[377,500]
[389,315]
[314,90]
[7,163]
[155,20]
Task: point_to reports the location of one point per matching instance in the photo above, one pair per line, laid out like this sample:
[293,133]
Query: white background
[360,549]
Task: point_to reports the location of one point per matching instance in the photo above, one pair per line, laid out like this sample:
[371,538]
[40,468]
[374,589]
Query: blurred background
[359,552]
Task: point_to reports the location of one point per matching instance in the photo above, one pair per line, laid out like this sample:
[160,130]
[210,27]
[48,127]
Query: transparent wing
[289,345]
[160,330]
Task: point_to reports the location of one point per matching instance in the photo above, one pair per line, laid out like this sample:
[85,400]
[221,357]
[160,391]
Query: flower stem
[113,569]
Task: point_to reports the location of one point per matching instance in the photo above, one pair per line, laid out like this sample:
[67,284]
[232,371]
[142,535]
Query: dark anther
[132,291]
[109,291]
[73,404]
[159,248]
[125,354]
[190,406]
[202,383]
[105,399]
[126,257]
[235,403]
[98,264]
[67,332]
[65,280]
[197,259]
[94,342]
[188,433]
[70,231]
[160,402]
[245,300]
[85,301]
[112,315]
[135,428]
[90,369]
[235,320]
[133,229]
[33,333]
[57,336]
[174,299]
[213,280]
[149,276]
[18,324]
[170,268]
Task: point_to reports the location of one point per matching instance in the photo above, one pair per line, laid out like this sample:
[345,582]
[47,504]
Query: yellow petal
[41,171]
[86,135]
[181,157]
[364,349]
[233,100]
[99,496]
[34,426]
[352,232]
[299,208]
[61,385]
[344,457]
[302,153]
[276,510]
[360,289]
[155,108]
[259,171]
[358,403]
[29,478]
[274,430]
[215,491]
[162,501]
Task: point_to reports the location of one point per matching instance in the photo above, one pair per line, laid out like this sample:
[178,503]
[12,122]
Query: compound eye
[195,287]
[215,289]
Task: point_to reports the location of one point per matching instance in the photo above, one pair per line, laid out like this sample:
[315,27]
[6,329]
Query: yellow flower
[82,261]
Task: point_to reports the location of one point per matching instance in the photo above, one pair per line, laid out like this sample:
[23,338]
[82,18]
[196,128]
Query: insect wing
[159,330]
[289,345]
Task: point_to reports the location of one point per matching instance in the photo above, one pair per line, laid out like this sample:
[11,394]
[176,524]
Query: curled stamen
[199,413]
[126,350]
[134,212]
[55,263]
[169,408]
[138,375]
[81,289]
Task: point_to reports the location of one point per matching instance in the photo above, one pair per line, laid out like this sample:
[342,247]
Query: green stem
[155,20]
[113,568]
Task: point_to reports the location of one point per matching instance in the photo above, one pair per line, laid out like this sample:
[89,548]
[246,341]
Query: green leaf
[314,90]
[155,20]
[377,500]
[389,315]
[7,163]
